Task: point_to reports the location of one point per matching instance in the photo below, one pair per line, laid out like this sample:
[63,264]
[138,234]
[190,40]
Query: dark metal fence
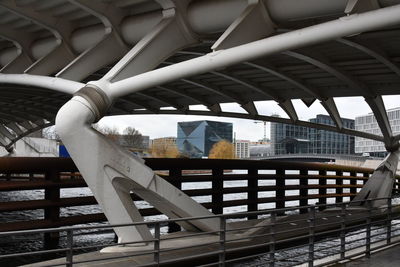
[289,183]
[316,238]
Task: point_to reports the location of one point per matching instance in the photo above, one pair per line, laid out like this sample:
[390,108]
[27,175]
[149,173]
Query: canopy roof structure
[51,49]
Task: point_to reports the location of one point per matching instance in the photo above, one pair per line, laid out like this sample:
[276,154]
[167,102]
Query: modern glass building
[293,139]
[289,139]
[327,142]
[367,123]
[196,138]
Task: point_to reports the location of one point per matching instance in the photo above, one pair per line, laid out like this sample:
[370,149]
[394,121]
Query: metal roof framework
[51,49]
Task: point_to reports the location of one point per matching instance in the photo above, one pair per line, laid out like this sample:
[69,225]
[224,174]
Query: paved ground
[385,258]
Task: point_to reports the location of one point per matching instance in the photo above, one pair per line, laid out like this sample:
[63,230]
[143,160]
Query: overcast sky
[157,126]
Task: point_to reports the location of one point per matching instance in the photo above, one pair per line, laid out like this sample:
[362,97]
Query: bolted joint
[97,99]
[394,146]
[10,149]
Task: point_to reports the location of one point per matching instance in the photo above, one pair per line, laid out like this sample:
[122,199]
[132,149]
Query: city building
[260,150]
[367,123]
[327,142]
[294,139]
[33,147]
[242,149]
[196,138]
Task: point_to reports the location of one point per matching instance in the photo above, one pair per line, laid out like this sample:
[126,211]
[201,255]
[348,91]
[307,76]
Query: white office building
[368,124]
[242,150]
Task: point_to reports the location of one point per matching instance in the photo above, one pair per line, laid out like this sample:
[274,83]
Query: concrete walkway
[387,257]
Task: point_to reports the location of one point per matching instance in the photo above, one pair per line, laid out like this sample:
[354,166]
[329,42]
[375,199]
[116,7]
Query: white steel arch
[108,56]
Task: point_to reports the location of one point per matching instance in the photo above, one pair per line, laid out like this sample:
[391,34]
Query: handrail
[306,233]
[31,164]
[54,174]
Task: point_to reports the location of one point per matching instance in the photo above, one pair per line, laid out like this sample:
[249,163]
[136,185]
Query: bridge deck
[290,230]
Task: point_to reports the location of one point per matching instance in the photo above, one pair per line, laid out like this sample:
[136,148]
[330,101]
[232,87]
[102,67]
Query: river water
[35,242]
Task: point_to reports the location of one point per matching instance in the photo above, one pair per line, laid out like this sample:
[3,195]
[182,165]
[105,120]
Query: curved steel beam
[22,41]
[19,115]
[163,101]
[248,106]
[29,103]
[34,129]
[372,52]
[169,35]
[375,102]
[327,31]
[40,113]
[62,54]
[5,114]
[216,108]
[55,84]
[273,119]
[6,132]
[107,51]
[131,101]
[110,15]
[265,67]
[322,63]
[327,103]
[59,28]
[285,104]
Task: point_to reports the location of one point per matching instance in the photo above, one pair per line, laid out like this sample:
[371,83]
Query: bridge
[314,157]
[72,62]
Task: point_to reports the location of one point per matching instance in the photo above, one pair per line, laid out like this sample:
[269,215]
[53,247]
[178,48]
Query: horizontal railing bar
[112,258]
[376,222]
[211,216]
[32,253]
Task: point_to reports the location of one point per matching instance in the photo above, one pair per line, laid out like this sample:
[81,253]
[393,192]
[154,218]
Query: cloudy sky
[166,125]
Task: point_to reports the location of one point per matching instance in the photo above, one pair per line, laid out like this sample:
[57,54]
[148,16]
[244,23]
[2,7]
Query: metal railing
[347,230]
[257,184]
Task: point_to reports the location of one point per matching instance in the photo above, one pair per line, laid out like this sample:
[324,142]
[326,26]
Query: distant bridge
[313,157]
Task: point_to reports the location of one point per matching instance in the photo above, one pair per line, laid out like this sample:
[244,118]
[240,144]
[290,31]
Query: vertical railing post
[343,231]
[368,232]
[222,241]
[70,252]
[157,243]
[353,183]
[303,190]
[280,190]
[339,189]
[322,190]
[52,214]
[252,193]
[272,240]
[311,239]
[175,178]
[217,190]
[365,175]
[389,221]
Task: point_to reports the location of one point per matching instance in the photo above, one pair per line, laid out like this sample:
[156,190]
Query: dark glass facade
[196,138]
[293,139]
[327,142]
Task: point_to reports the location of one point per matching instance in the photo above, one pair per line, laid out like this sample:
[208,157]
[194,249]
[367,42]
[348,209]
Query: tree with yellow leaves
[222,150]
[164,150]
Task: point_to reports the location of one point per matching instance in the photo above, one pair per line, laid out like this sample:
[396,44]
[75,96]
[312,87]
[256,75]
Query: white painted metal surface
[112,173]
[145,55]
